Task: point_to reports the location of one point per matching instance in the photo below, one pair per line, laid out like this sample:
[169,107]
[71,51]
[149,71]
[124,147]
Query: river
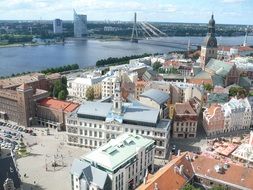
[86,53]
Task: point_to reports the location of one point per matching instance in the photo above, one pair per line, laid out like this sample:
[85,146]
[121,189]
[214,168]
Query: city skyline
[225,11]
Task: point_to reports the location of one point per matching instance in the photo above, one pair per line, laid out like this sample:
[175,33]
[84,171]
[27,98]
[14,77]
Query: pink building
[213,120]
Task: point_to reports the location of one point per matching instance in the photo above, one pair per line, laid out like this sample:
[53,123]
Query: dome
[212,21]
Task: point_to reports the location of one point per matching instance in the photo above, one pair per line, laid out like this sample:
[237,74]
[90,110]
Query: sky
[189,11]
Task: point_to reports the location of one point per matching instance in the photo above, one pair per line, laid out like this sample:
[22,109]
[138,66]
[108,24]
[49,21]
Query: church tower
[209,47]
[117,99]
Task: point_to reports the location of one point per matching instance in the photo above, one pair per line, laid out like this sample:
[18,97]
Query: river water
[86,53]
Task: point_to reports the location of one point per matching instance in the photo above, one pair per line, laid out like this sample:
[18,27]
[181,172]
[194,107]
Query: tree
[238,91]
[90,93]
[208,87]
[59,90]
[62,95]
[190,187]
[156,66]
[64,80]
[219,187]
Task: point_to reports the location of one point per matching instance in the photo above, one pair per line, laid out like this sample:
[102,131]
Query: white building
[94,123]
[108,85]
[121,164]
[80,25]
[57,24]
[78,86]
[237,114]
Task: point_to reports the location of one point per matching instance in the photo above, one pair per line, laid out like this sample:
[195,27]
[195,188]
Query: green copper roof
[118,151]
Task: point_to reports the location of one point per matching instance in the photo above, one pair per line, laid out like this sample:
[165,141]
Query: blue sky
[226,11]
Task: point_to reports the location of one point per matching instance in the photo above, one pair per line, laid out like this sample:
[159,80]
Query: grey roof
[7,167]
[158,96]
[87,172]
[95,176]
[131,112]
[217,98]
[95,109]
[202,75]
[77,167]
[140,113]
[219,67]
[245,82]
[218,80]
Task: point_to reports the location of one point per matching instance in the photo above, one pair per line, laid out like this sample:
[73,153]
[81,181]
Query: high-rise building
[80,25]
[57,23]
[209,46]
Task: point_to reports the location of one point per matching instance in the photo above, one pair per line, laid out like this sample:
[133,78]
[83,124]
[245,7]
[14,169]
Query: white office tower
[80,25]
[57,23]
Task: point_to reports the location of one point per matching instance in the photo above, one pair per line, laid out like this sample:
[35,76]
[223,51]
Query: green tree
[59,90]
[64,80]
[219,187]
[238,91]
[62,95]
[90,94]
[190,187]
[156,66]
[208,87]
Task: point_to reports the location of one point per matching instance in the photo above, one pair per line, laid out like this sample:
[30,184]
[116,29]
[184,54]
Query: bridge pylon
[134,37]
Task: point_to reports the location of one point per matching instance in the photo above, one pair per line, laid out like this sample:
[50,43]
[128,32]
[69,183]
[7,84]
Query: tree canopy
[90,93]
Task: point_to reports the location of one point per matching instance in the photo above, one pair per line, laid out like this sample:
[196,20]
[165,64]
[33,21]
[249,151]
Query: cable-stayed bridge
[146,33]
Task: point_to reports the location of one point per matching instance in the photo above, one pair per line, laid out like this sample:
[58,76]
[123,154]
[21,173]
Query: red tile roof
[168,177]
[235,174]
[58,104]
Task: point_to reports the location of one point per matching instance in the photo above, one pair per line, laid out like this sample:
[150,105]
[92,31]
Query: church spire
[211,26]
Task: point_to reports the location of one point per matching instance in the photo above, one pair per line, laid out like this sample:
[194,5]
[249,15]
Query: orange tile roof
[212,108]
[168,177]
[140,83]
[58,104]
[184,108]
[235,174]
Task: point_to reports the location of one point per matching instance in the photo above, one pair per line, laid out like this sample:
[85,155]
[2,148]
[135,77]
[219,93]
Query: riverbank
[29,44]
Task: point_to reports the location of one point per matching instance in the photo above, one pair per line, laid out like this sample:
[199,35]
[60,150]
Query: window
[85,132]
[81,131]
[90,133]
[95,133]
[100,134]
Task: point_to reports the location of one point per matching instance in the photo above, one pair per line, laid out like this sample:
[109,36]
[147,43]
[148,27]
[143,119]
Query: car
[33,134]
[30,131]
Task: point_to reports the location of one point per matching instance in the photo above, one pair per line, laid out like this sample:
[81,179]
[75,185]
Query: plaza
[36,169]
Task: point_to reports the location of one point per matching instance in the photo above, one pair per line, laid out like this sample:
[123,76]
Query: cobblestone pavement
[36,169]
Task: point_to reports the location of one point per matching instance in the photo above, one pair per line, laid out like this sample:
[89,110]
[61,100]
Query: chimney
[178,152]
[156,187]
[145,178]
[181,170]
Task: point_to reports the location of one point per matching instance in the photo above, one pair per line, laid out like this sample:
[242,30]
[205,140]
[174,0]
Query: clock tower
[209,46]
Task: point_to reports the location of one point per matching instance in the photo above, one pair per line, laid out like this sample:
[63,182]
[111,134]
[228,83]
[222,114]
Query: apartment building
[120,164]
[79,86]
[185,120]
[231,116]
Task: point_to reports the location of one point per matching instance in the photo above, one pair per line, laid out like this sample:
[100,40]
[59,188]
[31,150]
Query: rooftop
[89,173]
[158,96]
[184,109]
[237,176]
[169,177]
[132,112]
[58,104]
[118,151]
